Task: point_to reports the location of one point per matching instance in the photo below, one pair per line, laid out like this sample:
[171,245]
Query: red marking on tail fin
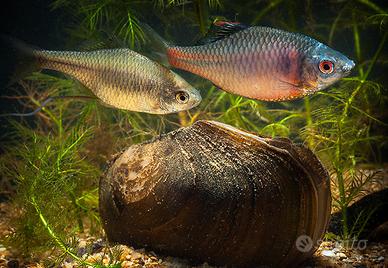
[222,23]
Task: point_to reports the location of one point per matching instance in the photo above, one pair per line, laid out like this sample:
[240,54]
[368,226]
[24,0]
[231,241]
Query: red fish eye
[326,66]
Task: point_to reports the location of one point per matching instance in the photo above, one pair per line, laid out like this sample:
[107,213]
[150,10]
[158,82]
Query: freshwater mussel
[213,193]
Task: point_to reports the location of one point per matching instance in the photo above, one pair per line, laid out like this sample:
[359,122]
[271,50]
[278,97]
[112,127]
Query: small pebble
[341,255]
[82,244]
[336,250]
[380,259]
[126,264]
[67,265]
[359,257]
[136,255]
[81,251]
[328,253]
[97,245]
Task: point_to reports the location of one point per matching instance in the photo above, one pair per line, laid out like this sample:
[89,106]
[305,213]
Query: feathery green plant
[50,175]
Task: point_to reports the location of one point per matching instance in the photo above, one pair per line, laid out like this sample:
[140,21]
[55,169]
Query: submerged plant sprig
[51,173]
[346,131]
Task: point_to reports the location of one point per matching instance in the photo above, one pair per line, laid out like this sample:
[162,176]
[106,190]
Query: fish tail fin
[159,46]
[27,58]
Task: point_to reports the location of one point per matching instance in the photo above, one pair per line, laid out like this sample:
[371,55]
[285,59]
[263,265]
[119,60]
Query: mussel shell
[213,193]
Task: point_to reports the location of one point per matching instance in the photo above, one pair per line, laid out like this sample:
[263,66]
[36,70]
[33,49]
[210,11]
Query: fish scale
[261,62]
[87,67]
[121,78]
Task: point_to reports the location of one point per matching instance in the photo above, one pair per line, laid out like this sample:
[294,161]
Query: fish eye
[182,97]
[326,66]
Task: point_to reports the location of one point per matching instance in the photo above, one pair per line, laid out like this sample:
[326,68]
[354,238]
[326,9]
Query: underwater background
[50,164]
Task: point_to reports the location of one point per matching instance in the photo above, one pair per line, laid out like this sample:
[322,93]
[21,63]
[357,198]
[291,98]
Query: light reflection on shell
[213,193]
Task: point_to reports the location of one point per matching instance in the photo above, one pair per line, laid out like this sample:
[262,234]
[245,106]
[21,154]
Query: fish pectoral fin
[290,85]
[221,29]
[301,89]
[288,90]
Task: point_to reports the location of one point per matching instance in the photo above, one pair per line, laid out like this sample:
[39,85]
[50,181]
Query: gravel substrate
[95,250]
[359,254]
[329,254]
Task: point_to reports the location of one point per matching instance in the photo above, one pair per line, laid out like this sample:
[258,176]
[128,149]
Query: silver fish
[122,78]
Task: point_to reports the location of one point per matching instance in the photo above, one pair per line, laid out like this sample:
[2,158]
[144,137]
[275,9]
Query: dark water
[35,23]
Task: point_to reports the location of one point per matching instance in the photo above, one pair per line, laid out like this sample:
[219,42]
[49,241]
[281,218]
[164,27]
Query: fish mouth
[196,99]
[347,68]
[195,104]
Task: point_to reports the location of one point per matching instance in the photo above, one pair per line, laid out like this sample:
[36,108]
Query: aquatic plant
[57,156]
[343,128]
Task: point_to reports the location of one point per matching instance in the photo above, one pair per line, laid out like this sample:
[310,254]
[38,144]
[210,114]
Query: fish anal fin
[221,29]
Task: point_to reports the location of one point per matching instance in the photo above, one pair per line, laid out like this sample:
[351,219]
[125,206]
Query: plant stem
[264,11]
[78,212]
[357,45]
[57,240]
[339,165]
[372,6]
[364,77]
[183,118]
[343,204]
[334,27]
[309,120]
[201,8]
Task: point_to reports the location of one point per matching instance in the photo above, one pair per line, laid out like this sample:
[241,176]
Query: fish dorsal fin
[221,29]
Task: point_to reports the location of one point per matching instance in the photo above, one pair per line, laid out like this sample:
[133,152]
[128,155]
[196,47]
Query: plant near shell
[51,176]
[345,130]
[57,186]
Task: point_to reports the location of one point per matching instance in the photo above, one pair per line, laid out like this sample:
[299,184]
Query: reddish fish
[261,62]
